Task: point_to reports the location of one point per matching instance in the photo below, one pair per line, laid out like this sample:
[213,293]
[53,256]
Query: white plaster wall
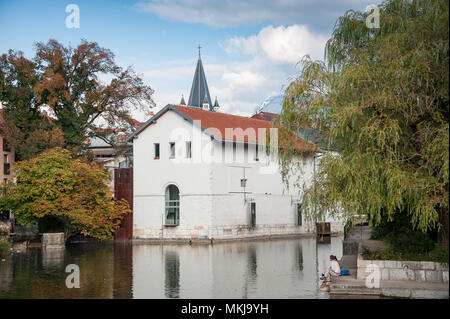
[212,201]
[152,176]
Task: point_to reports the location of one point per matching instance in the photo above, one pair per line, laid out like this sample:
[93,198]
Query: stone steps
[393,289]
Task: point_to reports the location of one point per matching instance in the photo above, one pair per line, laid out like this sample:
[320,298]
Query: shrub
[440,254]
[402,237]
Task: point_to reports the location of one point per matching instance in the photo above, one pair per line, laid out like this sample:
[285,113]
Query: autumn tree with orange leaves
[81,88]
[56,185]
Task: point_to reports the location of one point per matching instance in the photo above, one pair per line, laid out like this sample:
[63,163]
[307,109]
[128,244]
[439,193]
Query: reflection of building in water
[172,274]
[123,271]
[252,263]
[251,275]
[53,258]
[299,257]
[266,269]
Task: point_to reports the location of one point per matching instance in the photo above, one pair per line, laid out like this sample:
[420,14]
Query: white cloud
[220,13]
[280,44]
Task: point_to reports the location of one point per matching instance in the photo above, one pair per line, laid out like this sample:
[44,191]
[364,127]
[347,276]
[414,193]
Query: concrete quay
[348,285]
[355,285]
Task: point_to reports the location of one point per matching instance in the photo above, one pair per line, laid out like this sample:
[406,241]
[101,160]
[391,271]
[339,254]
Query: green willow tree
[80,87]
[381,100]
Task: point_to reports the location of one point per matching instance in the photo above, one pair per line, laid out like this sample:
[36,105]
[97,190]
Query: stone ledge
[390,288]
[424,271]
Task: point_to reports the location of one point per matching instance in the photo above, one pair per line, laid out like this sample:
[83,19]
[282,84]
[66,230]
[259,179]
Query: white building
[201,174]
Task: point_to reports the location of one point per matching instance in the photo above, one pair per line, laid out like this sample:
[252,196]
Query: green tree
[381,99]
[54,184]
[82,88]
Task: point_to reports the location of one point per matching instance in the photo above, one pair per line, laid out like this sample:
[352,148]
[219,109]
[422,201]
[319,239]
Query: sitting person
[333,270]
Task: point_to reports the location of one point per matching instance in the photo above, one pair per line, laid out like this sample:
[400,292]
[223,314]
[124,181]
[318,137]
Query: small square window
[172,149]
[243,182]
[156,150]
[188,150]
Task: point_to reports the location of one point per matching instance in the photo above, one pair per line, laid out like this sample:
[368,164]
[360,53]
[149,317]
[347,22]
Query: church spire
[199,89]
[182,102]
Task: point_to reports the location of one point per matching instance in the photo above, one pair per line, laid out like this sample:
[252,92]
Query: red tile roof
[220,125]
[265,116]
[225,123]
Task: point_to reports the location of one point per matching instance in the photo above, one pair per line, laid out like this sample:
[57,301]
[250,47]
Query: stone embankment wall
[423,271]
[53,241]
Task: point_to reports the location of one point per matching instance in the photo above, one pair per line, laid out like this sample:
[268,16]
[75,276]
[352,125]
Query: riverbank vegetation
[380,99]
[67,188]
[406,243]
[52,105]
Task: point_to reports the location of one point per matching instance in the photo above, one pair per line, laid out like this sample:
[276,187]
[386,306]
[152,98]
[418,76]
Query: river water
[287,268]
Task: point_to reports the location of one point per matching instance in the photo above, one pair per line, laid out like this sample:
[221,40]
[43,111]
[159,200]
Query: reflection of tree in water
[172,267]
[36,278]
[123,271]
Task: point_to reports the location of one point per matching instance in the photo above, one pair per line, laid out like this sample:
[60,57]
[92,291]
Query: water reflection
[260,269]
[53,258]
[172,274]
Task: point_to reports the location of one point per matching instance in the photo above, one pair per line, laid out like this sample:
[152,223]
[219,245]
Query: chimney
[121,137]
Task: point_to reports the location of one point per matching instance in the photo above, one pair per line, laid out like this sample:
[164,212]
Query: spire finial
[182,102]
[199,47]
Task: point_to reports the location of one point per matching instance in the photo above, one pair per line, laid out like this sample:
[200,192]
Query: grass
[438,254]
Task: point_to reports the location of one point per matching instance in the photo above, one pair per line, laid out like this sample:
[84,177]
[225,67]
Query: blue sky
[249,48]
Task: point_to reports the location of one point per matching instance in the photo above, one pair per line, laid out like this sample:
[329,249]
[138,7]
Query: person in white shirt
[334,269]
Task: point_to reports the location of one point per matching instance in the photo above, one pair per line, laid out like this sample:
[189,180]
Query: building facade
[7,156]
[202,174]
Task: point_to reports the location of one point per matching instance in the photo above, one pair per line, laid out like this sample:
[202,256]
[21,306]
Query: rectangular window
[156,150]
[299,214]
[223,152]
[172,149]
[6,147]
[188,150]
[5,158]
[257,152]
[252,215]
[245,152]
[6,168]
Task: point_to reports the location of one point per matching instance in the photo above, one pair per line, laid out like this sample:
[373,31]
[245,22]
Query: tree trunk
[443,227]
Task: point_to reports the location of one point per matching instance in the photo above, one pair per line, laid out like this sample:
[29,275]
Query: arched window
[172,206]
